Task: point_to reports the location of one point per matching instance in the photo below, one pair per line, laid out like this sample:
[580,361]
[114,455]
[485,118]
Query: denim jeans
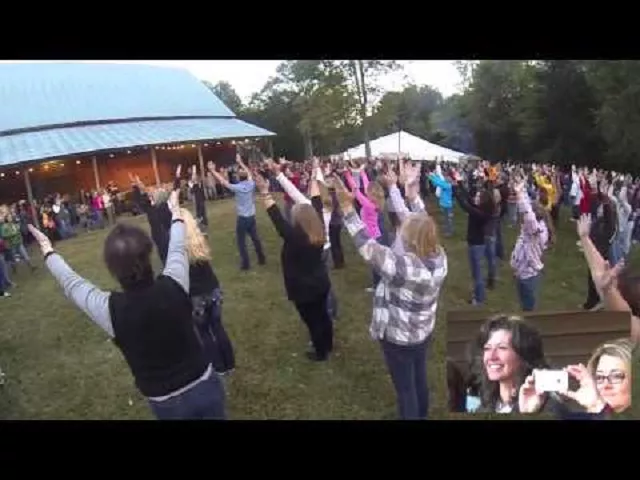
[247,226]
[499,240]
[407,365]
[332,301]
[4,274]
[527,290]
[204,401]
[447,212]
[490,244]
[512,213]
[476,254]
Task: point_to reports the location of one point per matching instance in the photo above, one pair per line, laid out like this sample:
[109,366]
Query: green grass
[59,365]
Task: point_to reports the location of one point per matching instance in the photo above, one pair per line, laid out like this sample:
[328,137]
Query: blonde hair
[375,192]
[306,217]
[621,348]
[420,234]
[197,245]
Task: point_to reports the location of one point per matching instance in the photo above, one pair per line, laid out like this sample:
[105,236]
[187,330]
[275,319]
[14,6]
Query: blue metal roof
[42,104]
[54,143]
[40,94]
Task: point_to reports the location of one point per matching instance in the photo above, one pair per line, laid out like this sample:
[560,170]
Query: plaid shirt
[406,299]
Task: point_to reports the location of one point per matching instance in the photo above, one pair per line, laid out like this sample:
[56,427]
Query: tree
[363,77]
[616,87]
[227,95]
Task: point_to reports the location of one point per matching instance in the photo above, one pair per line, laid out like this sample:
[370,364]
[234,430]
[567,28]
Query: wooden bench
[568,337]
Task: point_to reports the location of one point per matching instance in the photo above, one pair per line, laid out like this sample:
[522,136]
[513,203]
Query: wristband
[48,254]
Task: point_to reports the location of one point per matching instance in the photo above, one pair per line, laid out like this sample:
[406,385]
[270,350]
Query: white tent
[406,145]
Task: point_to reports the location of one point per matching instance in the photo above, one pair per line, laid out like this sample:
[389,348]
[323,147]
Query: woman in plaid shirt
[405,301]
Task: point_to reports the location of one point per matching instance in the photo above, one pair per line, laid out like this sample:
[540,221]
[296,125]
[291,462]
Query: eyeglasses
[614,378]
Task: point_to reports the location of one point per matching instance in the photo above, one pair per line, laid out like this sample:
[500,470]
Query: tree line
[585,112]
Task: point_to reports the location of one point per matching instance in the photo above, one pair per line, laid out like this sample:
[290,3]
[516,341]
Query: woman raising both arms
[150,319]
[305,274]
[412,272]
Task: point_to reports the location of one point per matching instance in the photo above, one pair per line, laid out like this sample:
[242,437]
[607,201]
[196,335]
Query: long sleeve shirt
[369,211]
[406,299]
[526,258]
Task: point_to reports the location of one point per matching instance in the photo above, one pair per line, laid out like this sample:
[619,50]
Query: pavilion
[71,126]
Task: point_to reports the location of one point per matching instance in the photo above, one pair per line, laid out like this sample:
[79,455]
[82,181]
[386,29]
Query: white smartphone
[551,381]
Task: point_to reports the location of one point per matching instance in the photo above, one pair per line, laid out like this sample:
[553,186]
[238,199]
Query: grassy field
[59,365]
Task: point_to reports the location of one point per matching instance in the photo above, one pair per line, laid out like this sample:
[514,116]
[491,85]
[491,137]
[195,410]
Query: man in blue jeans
[246,209]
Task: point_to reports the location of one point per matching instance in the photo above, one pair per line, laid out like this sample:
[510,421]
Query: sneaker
[369,290]
[5,294]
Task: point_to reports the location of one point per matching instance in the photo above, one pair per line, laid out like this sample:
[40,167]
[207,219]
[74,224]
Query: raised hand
[587,394]
[174,204]
[583,226]
[178,171]
[262,185]
[345,197]
[529,400]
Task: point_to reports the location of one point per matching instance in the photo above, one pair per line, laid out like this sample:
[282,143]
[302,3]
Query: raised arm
[604,276]
[360,197]
[242,165]
[177,264]
[86,296]
[223,181]
[291,190]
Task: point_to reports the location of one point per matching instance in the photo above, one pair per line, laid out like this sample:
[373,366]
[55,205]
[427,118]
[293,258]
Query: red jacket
[585,201]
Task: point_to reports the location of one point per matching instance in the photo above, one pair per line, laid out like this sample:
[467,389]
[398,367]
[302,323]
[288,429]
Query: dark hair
[526,343]
[127,253]
[629,288]
[457,388]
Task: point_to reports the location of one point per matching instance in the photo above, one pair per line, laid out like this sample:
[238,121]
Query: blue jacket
[446,200]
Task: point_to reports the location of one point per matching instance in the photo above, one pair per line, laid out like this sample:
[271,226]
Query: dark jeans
[499,240]
[336,245]
[407,365]
[247,226]
[215,340]
[204,401]
[201,213]
[332,301]
[527,289]
[555,215]
[315,315]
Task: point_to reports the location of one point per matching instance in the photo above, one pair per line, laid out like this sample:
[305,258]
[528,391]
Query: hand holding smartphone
[551,381]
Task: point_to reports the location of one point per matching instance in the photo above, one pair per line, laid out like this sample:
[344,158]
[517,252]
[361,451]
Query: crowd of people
[170,331]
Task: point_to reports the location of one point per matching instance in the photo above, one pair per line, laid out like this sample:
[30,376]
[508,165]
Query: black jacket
[304,270]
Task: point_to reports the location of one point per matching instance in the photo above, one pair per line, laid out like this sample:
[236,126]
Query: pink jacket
[369,212]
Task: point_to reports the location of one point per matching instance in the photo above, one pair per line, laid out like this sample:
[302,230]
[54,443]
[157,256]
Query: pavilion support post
[96,174]
[270,144]
[203,173]
[27,184]
[154,162]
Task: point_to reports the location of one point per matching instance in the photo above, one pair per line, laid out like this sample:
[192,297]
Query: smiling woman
[505,353]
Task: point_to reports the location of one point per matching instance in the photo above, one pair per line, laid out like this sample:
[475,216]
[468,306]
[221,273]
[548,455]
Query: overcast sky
[248,76]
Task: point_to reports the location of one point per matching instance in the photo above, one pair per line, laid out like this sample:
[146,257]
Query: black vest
[155,332]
